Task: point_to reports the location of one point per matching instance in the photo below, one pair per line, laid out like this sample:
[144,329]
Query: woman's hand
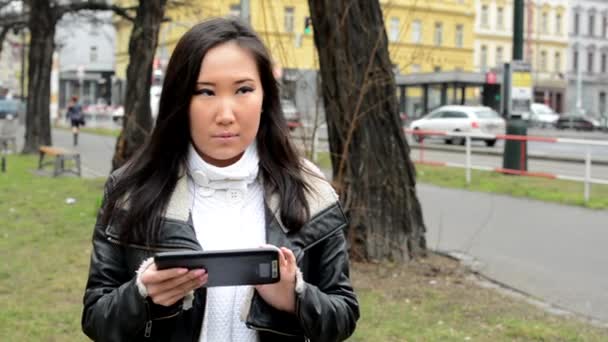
[282,295]
[166,287]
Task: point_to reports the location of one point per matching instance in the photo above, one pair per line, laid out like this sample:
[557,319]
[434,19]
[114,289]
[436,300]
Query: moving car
[470,119]
[577,122]
[11,108]
[542,115]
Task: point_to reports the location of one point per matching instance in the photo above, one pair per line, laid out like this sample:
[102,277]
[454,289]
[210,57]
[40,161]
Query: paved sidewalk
[96,151]
[554,252]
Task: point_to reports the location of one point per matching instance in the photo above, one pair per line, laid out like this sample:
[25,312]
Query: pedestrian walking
[76,117]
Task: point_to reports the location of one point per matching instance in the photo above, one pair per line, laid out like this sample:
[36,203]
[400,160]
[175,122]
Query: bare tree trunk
[137,122]
[370,156]
[42,22]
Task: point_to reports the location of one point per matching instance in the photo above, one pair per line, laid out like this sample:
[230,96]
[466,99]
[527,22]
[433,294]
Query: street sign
[517,89]
[521,88]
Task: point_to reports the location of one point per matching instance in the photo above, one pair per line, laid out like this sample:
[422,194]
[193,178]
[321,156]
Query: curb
[547,306]
[567,159]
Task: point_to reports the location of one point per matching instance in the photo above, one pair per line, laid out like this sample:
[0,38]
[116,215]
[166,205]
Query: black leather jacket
[327,309]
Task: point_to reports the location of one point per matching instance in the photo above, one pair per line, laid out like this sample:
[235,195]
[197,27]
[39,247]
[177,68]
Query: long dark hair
[145,185]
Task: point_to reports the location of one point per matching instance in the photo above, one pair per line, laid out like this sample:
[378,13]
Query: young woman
[219,172]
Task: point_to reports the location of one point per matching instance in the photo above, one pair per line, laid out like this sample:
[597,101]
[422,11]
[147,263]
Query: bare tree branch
[99,5]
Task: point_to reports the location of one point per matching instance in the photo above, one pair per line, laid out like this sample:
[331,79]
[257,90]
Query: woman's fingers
[171,296]
[154,276]
[289,256]
[172,283]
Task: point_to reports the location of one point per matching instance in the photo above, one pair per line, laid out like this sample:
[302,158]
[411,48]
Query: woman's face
[226,107]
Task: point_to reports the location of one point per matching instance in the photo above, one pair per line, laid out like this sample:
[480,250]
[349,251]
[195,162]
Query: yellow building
[430,35]
[545,46]
[425,36]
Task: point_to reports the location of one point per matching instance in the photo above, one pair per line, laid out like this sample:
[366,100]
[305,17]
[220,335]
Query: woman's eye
[204,92]
[244,90]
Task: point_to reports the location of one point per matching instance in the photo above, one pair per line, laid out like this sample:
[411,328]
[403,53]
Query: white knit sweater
[228,213]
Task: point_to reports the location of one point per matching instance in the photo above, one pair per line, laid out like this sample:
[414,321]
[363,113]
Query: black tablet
[227,267]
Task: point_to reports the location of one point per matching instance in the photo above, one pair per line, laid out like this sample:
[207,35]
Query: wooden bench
[61,156]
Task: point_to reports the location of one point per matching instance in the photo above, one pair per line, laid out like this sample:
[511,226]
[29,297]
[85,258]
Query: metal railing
[585,178]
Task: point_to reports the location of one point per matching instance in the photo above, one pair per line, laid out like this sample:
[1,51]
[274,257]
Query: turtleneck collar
[235,176]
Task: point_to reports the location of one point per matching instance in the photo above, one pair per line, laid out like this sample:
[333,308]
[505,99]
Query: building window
[545,23]
[558,24]
[602,103]
[483,58]
[543,61]
[93,54]
[500,18]
[394,30]
[288,19]
[484,16]
[577,22]
[590,62]
[459,36]
[605,27]
[592,25]
[499,53]
[235,10]
[437,68]
[603,63]
[416,31]
[558,62]
[438,34]
[575,61]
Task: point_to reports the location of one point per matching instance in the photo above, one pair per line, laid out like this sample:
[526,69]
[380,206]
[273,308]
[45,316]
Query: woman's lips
[225,136]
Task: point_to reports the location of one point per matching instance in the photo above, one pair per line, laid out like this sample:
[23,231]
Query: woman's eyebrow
[235,82]
[243,80]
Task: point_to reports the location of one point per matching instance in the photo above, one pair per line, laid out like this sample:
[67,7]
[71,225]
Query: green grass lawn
[45,246]
[550,190]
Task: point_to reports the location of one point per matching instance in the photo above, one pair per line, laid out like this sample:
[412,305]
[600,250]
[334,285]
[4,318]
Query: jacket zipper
[148,329]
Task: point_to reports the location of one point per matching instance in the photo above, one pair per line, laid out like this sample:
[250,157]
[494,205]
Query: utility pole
[579,85]
[518,30]
[517,87]
[245,11]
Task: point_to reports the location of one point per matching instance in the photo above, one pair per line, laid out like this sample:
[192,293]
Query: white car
[291,113]
[469,119]
[543,115]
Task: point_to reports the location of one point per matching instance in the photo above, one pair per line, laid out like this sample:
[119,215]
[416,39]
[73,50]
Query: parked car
[291,114]
[471,119]
[118,114]
[577,122]
[542,115]
[11,108]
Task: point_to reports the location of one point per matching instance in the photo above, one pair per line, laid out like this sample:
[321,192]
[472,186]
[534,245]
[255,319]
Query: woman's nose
[225,113]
